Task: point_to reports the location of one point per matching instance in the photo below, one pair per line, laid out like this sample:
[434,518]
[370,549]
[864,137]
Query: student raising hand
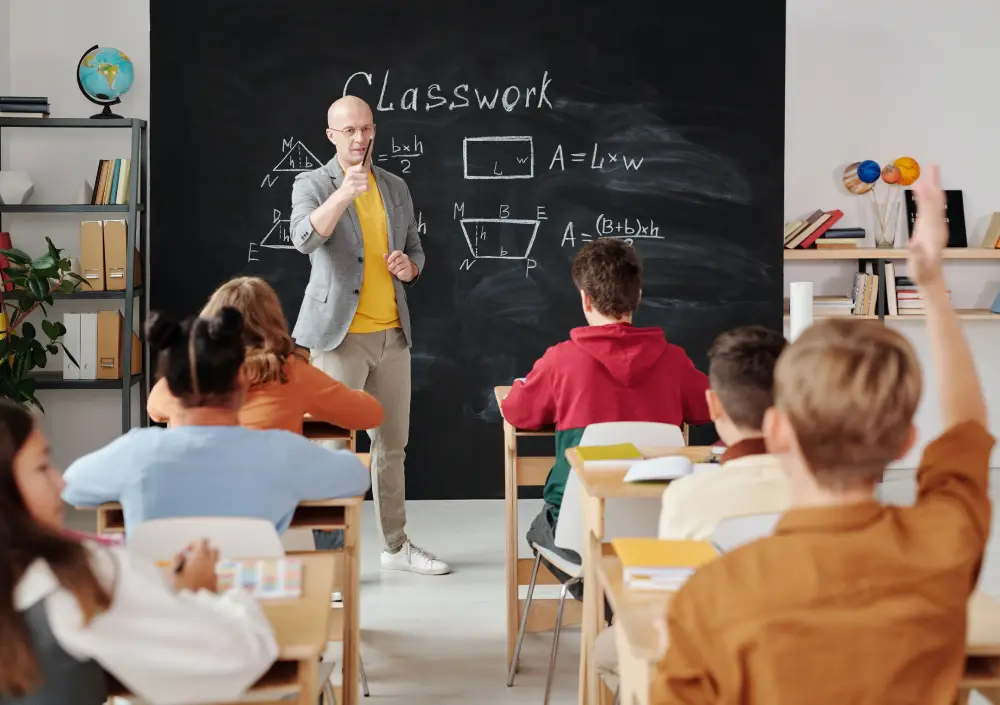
[930,233]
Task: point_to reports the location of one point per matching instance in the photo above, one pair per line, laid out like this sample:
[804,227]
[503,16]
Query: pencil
[364,159]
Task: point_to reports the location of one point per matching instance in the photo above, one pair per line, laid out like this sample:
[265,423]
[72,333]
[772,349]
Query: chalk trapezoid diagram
[486,239]
[279,237]
[298,158]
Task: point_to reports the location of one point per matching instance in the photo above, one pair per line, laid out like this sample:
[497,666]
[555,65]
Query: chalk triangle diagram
[298,158]
[279,236]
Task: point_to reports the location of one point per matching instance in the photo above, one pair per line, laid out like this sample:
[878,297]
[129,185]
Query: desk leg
[309,681]
[352,603]
[591,690]
[510,548]
[991,695]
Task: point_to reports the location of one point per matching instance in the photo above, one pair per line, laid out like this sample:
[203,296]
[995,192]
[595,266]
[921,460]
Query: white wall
[864,80]
[880,80]
[47,39]
[4,41]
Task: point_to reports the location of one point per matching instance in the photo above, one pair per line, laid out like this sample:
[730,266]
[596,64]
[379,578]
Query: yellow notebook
[661,565]
[617,454]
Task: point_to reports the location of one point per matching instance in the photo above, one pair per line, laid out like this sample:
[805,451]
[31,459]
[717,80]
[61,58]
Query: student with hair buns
[72,610]
[282,385]
[206,464]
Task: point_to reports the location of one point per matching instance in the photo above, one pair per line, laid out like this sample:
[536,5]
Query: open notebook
[664,469]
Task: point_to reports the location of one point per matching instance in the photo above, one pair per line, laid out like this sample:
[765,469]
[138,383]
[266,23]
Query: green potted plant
[33,282]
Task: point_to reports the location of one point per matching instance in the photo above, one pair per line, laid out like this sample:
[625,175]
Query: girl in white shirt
[70,608]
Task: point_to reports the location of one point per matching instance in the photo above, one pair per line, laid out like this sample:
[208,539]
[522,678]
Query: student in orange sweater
[283,385]
[608,370]
[851,601]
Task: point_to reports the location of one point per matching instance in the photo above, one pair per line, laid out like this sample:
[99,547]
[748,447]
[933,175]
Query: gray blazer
[331,297]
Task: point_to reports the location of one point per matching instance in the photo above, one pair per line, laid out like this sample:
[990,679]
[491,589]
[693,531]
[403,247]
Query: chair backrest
[641,433]
[622,517]
[235,537]
[736,531]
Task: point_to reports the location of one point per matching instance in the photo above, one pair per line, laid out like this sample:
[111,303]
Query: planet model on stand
[909,170]
[853,182]
[104,75]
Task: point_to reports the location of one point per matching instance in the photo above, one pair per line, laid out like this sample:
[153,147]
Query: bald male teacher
[357,225]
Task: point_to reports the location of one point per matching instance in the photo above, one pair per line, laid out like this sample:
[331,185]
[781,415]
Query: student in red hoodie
[608,370]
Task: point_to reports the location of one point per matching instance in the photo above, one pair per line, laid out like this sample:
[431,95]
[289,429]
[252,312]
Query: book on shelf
[991,240]
[111,183]
[658,564]
[865,293]
[954,215]
[844,243]
[24,106]
[815,225]
[908,301]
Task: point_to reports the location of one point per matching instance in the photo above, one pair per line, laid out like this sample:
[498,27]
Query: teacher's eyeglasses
[350,132]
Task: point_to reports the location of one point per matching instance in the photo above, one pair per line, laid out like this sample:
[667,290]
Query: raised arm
[958,384]
[166,647]
[312,221]
[953,478]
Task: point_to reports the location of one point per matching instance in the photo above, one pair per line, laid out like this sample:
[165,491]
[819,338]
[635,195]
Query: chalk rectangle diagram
[499,238]
[503,157]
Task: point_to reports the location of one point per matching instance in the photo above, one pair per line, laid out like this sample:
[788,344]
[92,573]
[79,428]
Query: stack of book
[23,106]
[653,564]
[841,239]
[803,233]
[111,183]
[903,296]
[865,294]
[828,306]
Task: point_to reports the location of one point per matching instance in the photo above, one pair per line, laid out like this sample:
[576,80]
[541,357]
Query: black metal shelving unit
[137,224]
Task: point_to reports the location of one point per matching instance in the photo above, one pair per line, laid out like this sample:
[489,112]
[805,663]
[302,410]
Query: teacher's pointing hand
[400,266]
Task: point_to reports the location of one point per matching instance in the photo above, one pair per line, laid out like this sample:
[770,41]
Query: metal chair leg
[555,636]
[328,694]
[524,620]
[364,677]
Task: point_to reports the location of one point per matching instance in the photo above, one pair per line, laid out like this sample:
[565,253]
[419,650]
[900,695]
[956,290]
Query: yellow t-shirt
[377,302]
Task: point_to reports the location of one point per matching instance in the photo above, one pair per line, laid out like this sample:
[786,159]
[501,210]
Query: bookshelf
[137,223]
[878,258]
[871,254]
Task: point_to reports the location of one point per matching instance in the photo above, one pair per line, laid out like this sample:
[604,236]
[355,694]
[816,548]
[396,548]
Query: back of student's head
[265,331]
[741,373]
[30,530]
[200,357]
[848,390]
[609,272]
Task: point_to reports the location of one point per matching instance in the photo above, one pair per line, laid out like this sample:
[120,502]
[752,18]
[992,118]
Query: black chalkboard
[626,119]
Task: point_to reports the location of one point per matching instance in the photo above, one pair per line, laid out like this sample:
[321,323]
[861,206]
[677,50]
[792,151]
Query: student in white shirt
[71,611]
[749,481]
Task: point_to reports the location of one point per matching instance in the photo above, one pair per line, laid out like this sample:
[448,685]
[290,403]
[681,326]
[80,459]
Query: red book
[5,244]
[835,215]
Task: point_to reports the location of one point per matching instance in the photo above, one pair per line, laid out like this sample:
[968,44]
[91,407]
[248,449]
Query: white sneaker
[414,559]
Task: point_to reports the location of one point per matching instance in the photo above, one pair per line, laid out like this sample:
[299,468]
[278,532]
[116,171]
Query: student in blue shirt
[206,464]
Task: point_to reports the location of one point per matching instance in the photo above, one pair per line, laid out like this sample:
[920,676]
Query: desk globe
[104,75]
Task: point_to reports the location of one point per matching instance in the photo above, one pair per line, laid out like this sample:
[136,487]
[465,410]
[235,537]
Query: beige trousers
[606,658]
[379,363]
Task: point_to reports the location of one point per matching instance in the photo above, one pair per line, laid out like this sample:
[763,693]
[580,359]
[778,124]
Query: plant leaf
[46,261]
[16,256]
[52,349]
[68,354]
[27,330]
[50,329]
[38,356]
[38,287]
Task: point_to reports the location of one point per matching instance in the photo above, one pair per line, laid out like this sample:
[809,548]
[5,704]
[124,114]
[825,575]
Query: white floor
[441,639]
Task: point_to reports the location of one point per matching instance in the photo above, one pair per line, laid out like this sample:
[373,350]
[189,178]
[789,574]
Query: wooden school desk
[327,515]
[525,471]
[596,486]
[301,626]
[641,637]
